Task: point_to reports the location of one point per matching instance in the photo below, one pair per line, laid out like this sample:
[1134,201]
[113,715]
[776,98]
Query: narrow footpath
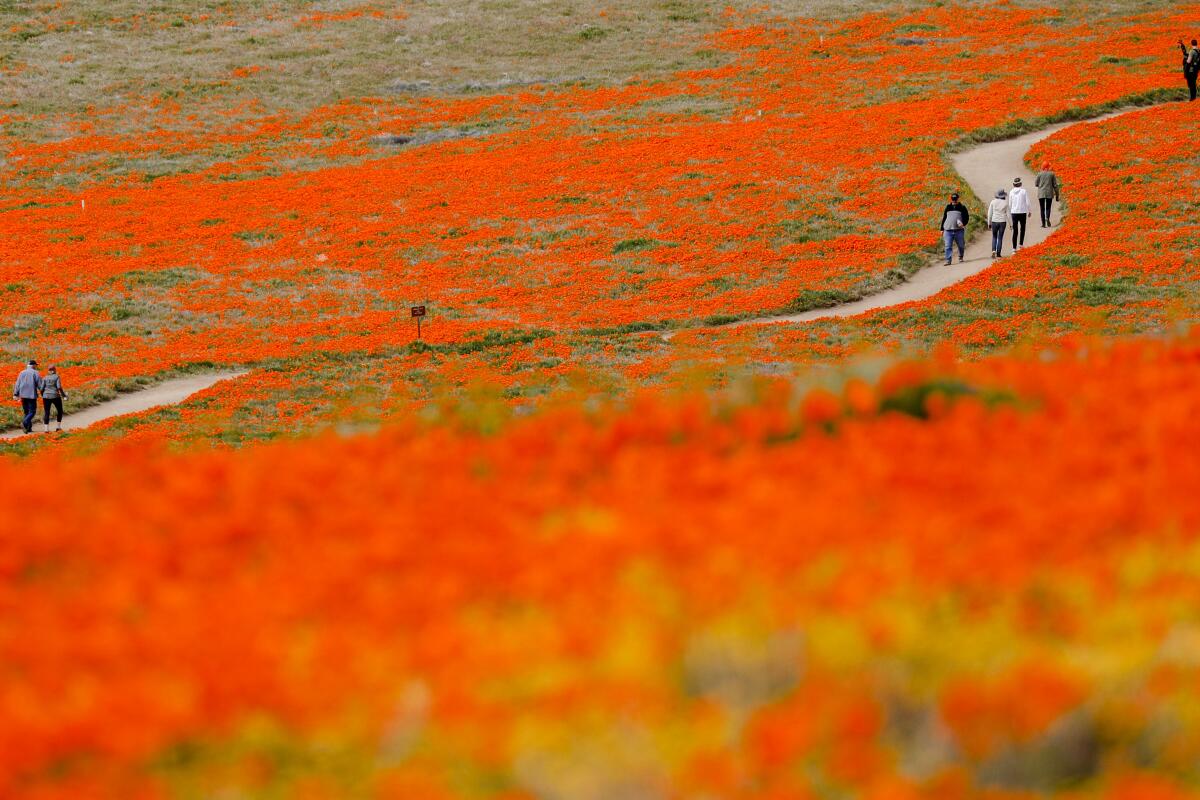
[161,394]
[985,168]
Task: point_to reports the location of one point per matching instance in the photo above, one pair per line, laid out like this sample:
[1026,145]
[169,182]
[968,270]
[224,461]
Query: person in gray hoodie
[53,394]
[26,389]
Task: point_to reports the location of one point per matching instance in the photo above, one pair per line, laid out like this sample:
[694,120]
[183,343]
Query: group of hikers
[1014,203]
[31,383]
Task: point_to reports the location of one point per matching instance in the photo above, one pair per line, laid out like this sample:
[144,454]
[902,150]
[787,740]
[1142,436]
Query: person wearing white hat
[1018,207]
[997,218]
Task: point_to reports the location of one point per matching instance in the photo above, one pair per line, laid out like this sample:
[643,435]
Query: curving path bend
[161,394]
[985,168]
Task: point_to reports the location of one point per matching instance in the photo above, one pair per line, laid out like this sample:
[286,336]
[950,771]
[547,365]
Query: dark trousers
[1045,203]
[998,236]
[29,408]
[1019,230]
[56,402]
[1190,77]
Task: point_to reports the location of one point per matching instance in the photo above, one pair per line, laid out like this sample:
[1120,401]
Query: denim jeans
[29,408]
[952,238]
[998,236]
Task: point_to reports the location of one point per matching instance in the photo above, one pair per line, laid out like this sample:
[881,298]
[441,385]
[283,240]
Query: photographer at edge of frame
[1191,66]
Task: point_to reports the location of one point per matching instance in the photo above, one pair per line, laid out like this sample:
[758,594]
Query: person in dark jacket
[954,228]
[53,394]
[1191,67]
[26,389]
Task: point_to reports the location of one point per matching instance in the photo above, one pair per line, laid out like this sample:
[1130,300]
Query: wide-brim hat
[1000,193]
[1016,181]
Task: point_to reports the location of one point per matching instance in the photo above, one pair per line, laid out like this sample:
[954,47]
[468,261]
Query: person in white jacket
[997,217]
[1018,207]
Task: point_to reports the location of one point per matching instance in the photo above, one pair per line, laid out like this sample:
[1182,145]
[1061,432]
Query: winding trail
[161,394]
[985,168]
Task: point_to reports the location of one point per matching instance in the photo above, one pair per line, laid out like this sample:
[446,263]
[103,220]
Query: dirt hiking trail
[166,393]
[985,168]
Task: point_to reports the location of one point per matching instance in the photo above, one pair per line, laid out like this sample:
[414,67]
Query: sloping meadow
[547,553]
[806,169]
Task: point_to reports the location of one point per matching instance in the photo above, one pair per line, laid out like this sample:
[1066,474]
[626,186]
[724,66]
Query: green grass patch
[161,278]
[635,245]
[1110,291]
[256,237]
[118,310]
[913,401]
[810,299]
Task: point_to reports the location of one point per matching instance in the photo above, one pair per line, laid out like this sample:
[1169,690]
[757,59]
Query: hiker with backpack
[1191,66]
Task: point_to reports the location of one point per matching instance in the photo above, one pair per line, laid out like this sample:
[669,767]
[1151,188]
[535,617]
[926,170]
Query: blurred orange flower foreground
[962,580]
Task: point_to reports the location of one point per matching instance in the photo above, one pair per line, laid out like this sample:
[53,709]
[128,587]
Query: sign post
[418,312]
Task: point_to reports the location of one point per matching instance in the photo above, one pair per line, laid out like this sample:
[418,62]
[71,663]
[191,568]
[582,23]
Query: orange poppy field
[589,537]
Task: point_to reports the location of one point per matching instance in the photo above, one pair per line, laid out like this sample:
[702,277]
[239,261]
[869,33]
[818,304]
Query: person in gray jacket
[53,394]
[1047,191]
[26,389]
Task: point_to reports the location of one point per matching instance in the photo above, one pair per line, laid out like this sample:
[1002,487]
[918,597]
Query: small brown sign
[418,311]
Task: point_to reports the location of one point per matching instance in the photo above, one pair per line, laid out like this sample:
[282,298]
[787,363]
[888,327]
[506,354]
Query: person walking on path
[1191,67]
[954,228]
[26,389]
[1018,207]
[52,395]
[1048,189]
[997,218]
